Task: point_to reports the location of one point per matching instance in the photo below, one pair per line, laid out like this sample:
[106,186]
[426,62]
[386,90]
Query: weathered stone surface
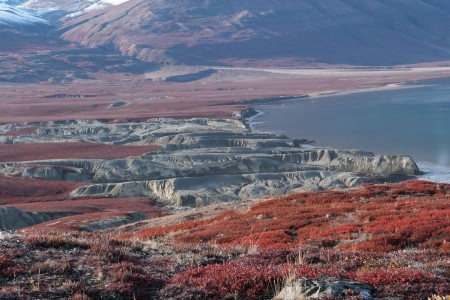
[325,286]
[12,218]
[201,161]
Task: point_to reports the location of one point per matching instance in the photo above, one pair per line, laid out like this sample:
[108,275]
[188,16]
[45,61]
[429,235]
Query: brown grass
[203,98]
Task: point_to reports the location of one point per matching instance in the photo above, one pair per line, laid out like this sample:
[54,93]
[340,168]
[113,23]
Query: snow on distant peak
[114,2]
[96,5]
[73,7]
[12,2]
[12,16]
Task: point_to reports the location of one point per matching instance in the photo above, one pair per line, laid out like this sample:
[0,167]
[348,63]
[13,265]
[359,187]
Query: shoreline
[284,99]
[431,171]
[251,113]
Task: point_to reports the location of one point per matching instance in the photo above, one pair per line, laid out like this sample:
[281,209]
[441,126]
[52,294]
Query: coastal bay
[413,121]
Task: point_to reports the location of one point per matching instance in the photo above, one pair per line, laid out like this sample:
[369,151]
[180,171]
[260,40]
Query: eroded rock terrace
[201,161]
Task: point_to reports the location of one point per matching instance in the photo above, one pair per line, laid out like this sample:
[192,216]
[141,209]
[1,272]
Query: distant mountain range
[361,32]
[246,32]
[66,6]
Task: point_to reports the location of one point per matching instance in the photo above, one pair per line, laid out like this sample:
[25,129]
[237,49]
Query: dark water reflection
[413,121]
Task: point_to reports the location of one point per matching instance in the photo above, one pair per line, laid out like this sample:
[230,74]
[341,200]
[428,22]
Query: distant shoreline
[432,171]
[283,99]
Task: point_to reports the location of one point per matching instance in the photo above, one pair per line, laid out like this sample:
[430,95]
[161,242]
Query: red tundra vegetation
[51,196]
[204,98]
[367,234]
[391,237]
[21,190]
[8,267]
[376,218]
[43,151]
[94,214]
[144,205]
[87,221]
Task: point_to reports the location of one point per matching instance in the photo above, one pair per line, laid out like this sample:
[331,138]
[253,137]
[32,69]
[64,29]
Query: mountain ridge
[11,16]
[353,32]
[129,36]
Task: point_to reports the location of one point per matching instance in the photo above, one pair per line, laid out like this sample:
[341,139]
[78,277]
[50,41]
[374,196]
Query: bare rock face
[201,161]
[361,162]
[325,286]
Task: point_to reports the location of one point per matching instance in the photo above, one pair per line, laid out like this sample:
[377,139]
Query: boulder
[325,286]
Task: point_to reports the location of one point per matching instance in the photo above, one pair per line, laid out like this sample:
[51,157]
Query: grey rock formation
[201,161]
[325,286]
[13,219]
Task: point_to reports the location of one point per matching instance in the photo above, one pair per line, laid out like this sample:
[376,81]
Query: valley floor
[119,97]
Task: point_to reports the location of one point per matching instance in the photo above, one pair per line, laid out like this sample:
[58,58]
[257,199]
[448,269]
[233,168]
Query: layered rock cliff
[201,161]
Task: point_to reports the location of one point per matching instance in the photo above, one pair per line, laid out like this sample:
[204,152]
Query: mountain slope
[30,51]
[11,16]
[363,32]
[68,6]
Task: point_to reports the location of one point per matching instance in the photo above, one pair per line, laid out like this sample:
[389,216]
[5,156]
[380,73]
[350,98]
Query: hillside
[11,16]
[62,41]
[369,32]
[31,50]
[74,7]
[335,244]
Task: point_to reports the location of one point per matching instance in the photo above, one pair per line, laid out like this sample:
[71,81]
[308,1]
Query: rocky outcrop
[57,172]
[203,190]
[367,163]
[201,161]
[325,286]
[13,219]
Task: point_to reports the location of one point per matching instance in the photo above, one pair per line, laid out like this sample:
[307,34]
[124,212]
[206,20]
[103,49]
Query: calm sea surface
[413,121]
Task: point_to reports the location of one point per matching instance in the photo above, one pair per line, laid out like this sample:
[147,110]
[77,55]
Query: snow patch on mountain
[73,7]
[12,2]
[96,5]
[104,3]
[114,2]
[12,16]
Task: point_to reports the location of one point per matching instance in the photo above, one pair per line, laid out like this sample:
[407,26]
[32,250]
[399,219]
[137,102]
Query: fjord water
[413,121]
